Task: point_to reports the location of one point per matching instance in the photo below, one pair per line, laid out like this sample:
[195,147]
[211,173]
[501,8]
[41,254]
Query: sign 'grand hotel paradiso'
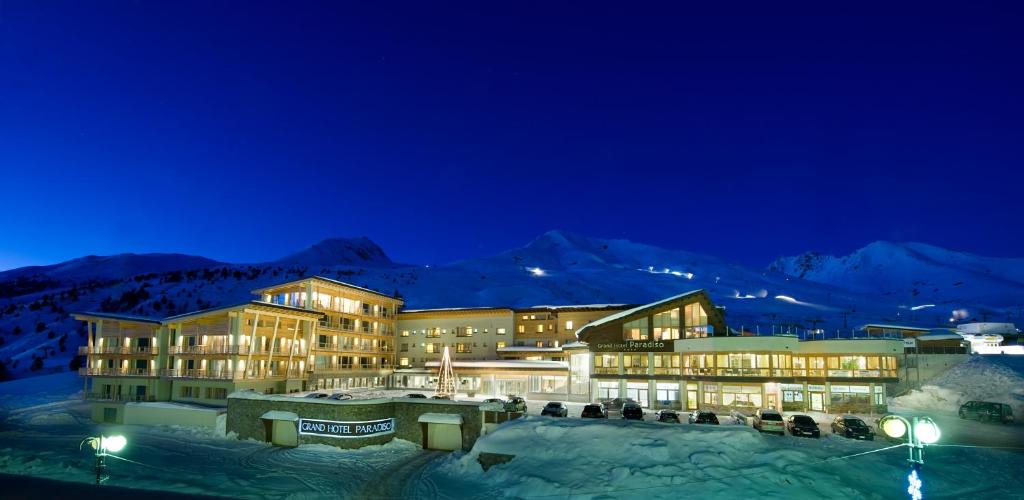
[330,428]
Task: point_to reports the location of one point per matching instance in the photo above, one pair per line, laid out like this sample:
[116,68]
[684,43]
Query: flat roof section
[328,280]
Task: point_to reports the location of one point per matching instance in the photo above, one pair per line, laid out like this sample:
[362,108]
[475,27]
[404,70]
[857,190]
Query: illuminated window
[540,328]
[696,321]
[540,343]
[405,333]
[403,361]
[666,325]
[500,344]
[635,330]
[522,329]
[500,331]
[568,324]
[460,347]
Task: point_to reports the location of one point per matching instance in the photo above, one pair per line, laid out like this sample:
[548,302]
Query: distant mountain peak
[339,251]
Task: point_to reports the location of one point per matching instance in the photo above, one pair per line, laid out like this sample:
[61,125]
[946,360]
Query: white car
[769,420]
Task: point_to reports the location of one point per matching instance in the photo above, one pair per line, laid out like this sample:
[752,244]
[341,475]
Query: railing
[196,373]
[350,368]
[99,396]
[117,372]
[144,350]
[355,348]
[200,350]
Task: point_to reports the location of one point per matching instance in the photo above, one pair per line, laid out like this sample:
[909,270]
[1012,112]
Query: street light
[919,432]
[104,445]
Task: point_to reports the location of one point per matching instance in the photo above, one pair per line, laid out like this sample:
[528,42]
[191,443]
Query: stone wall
[245,410]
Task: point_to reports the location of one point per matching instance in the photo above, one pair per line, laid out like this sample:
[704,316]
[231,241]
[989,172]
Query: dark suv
[632,411]
[594,410]
[987,412]
[852,427]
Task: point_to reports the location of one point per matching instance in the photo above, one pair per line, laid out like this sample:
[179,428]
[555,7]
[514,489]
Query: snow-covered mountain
[111,266]
[916,272]
[337,252]
[874,284]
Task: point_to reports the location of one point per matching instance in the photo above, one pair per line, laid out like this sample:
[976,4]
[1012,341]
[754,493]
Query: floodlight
[926,431]
[894,427]
[113,444]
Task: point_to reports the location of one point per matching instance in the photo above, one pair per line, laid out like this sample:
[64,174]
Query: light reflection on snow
[666,270]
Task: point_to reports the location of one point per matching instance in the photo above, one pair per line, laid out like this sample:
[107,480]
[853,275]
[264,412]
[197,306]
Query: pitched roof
[628,312]
[241,304]
[329,280]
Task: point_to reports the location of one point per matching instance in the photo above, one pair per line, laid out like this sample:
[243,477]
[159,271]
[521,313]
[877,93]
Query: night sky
[243,131]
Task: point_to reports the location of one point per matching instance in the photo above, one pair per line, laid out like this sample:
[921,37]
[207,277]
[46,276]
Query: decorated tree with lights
[445,377]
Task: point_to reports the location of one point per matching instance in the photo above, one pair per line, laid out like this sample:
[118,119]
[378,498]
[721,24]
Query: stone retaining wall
[245,410]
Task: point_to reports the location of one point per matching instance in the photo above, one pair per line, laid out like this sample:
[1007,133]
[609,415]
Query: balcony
[123,350]
[201,374]
[118,372]
[129,398]
[354,348]
[351,369]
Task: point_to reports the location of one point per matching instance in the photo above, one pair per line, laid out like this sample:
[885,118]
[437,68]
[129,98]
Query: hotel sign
[634,346]
[330,428]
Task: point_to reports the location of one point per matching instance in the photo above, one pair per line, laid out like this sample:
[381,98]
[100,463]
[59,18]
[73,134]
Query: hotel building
[306,334]
[322,334]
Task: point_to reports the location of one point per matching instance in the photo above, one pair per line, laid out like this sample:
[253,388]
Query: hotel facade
[322,334]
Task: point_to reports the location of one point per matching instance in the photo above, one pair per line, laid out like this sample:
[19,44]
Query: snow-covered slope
[916,272]
[339,251]
[111,266]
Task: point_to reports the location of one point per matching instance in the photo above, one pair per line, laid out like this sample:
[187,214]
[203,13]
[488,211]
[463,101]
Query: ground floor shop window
[742,396]
[639,392]
[607,390]
[793,398]
[547,383]
[667,395]
[849,398]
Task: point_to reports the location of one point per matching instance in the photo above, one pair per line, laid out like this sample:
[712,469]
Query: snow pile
[980,378]
[575,458]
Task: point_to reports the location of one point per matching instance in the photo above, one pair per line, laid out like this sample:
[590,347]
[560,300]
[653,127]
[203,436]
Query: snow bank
[575,458]
[981,378]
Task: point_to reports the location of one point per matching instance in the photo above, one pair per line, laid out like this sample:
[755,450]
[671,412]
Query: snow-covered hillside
[339,251]
[917,273]
[38,335]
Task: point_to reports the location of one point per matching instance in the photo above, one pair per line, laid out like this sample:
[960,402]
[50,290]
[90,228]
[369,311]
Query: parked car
[555,409]
[515,403]
[494,400]
[852,427]
[702,417]
[416,395]
[438,396]
[769,420]
[802,425]
[617,403]
[669,416]
[316,395]
[594,410]
[632,411]
[985,411]
[340,396]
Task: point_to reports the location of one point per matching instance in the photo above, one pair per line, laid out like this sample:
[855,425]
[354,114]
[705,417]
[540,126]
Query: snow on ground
[980,378]
[43,420]
[576,458]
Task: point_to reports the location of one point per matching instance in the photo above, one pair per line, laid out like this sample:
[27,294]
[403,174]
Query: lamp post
[103,445]
[920,431]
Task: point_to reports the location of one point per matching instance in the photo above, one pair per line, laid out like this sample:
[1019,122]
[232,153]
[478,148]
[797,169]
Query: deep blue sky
[243,131]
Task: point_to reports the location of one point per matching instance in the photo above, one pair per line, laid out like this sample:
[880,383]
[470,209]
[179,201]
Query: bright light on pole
[104,446]
[923,431]
[893,427]
[926,431]
[113,444]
